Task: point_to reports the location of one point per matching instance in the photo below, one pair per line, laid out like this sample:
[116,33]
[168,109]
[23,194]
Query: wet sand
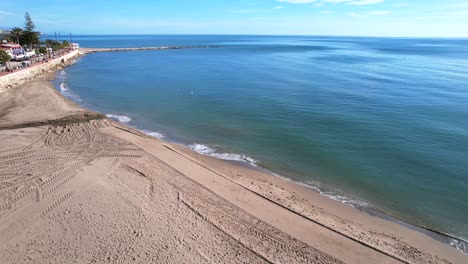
[76,187]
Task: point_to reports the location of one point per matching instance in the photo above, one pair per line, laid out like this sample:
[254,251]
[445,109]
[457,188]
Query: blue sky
[409,18]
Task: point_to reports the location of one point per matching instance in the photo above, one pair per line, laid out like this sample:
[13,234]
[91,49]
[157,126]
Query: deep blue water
[382,121]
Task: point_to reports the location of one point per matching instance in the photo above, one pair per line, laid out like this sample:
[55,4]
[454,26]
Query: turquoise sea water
[381,122]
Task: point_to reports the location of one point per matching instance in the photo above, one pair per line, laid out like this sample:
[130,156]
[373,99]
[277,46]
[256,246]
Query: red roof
[10,46]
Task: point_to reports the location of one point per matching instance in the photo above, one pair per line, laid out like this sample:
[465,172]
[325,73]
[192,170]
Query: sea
[376,123]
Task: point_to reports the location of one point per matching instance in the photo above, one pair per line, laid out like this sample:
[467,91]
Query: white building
[75,46]
[14,50]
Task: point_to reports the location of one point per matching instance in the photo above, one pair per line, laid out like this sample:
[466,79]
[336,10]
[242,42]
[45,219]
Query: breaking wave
[65,91]
[210,151]
[153,134]
[121,118]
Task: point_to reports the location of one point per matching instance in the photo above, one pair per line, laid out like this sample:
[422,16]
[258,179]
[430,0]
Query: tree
[4,56]
[29,24]
[42,50]
[30,36]
[16,34]
[56,45]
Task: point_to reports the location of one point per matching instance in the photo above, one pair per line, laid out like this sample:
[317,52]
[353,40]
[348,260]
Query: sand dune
[76,187]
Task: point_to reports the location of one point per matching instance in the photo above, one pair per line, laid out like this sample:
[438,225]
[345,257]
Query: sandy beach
[76,187]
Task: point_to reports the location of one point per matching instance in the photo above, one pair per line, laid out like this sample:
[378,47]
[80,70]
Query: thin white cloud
[461,13]
[297,1]
[371,13]
[337,1]
[248,11]
[354,14]
[5,13]
[460,5]
[379,13]
[366,2]
[252,11]
[349,2]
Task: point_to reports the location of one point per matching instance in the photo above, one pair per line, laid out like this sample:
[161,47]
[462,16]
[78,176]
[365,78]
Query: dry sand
[76,187]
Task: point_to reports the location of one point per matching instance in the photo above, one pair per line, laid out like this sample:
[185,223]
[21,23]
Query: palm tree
[16,33]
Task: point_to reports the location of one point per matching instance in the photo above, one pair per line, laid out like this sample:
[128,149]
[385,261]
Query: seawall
[19,77]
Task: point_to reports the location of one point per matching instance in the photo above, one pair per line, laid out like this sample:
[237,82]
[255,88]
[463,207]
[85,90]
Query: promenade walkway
[35,61]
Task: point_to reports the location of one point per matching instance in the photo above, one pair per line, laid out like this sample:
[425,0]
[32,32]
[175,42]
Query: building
[15,50]
[75,46]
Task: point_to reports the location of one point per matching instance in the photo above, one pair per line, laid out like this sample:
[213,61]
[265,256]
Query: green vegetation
[26,36]
[56,45]
[41,50]
[4,56]
[30,37]
[16,34]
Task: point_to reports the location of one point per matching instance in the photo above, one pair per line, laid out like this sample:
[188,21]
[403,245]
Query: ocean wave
[63,87]
[459,244]
[334,196]
[153,134]
[344,199]
[63,73]
[210,151]
[65,91]
[121,118]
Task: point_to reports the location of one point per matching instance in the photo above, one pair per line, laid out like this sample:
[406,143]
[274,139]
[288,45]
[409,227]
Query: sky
[388,18]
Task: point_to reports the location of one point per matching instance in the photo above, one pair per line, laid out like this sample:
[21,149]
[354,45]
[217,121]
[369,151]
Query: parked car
[19,57]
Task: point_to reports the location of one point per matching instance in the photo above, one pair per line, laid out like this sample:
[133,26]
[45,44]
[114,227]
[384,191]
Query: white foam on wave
[315,186]
[64,89]
[63,73]
[121,118]
[344,199]
[210,151]
[459,245]
[334,196]
[154,134]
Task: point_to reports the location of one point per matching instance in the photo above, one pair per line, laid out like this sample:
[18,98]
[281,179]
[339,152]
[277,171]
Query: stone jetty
[92,50]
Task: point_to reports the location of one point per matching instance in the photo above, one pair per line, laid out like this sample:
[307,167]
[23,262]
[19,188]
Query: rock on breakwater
[92,50]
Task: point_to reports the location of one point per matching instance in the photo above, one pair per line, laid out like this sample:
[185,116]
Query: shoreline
[248,162]
[298,202]
[458,243]
[363,207]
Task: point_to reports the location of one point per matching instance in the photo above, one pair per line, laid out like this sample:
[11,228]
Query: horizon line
[271,35]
